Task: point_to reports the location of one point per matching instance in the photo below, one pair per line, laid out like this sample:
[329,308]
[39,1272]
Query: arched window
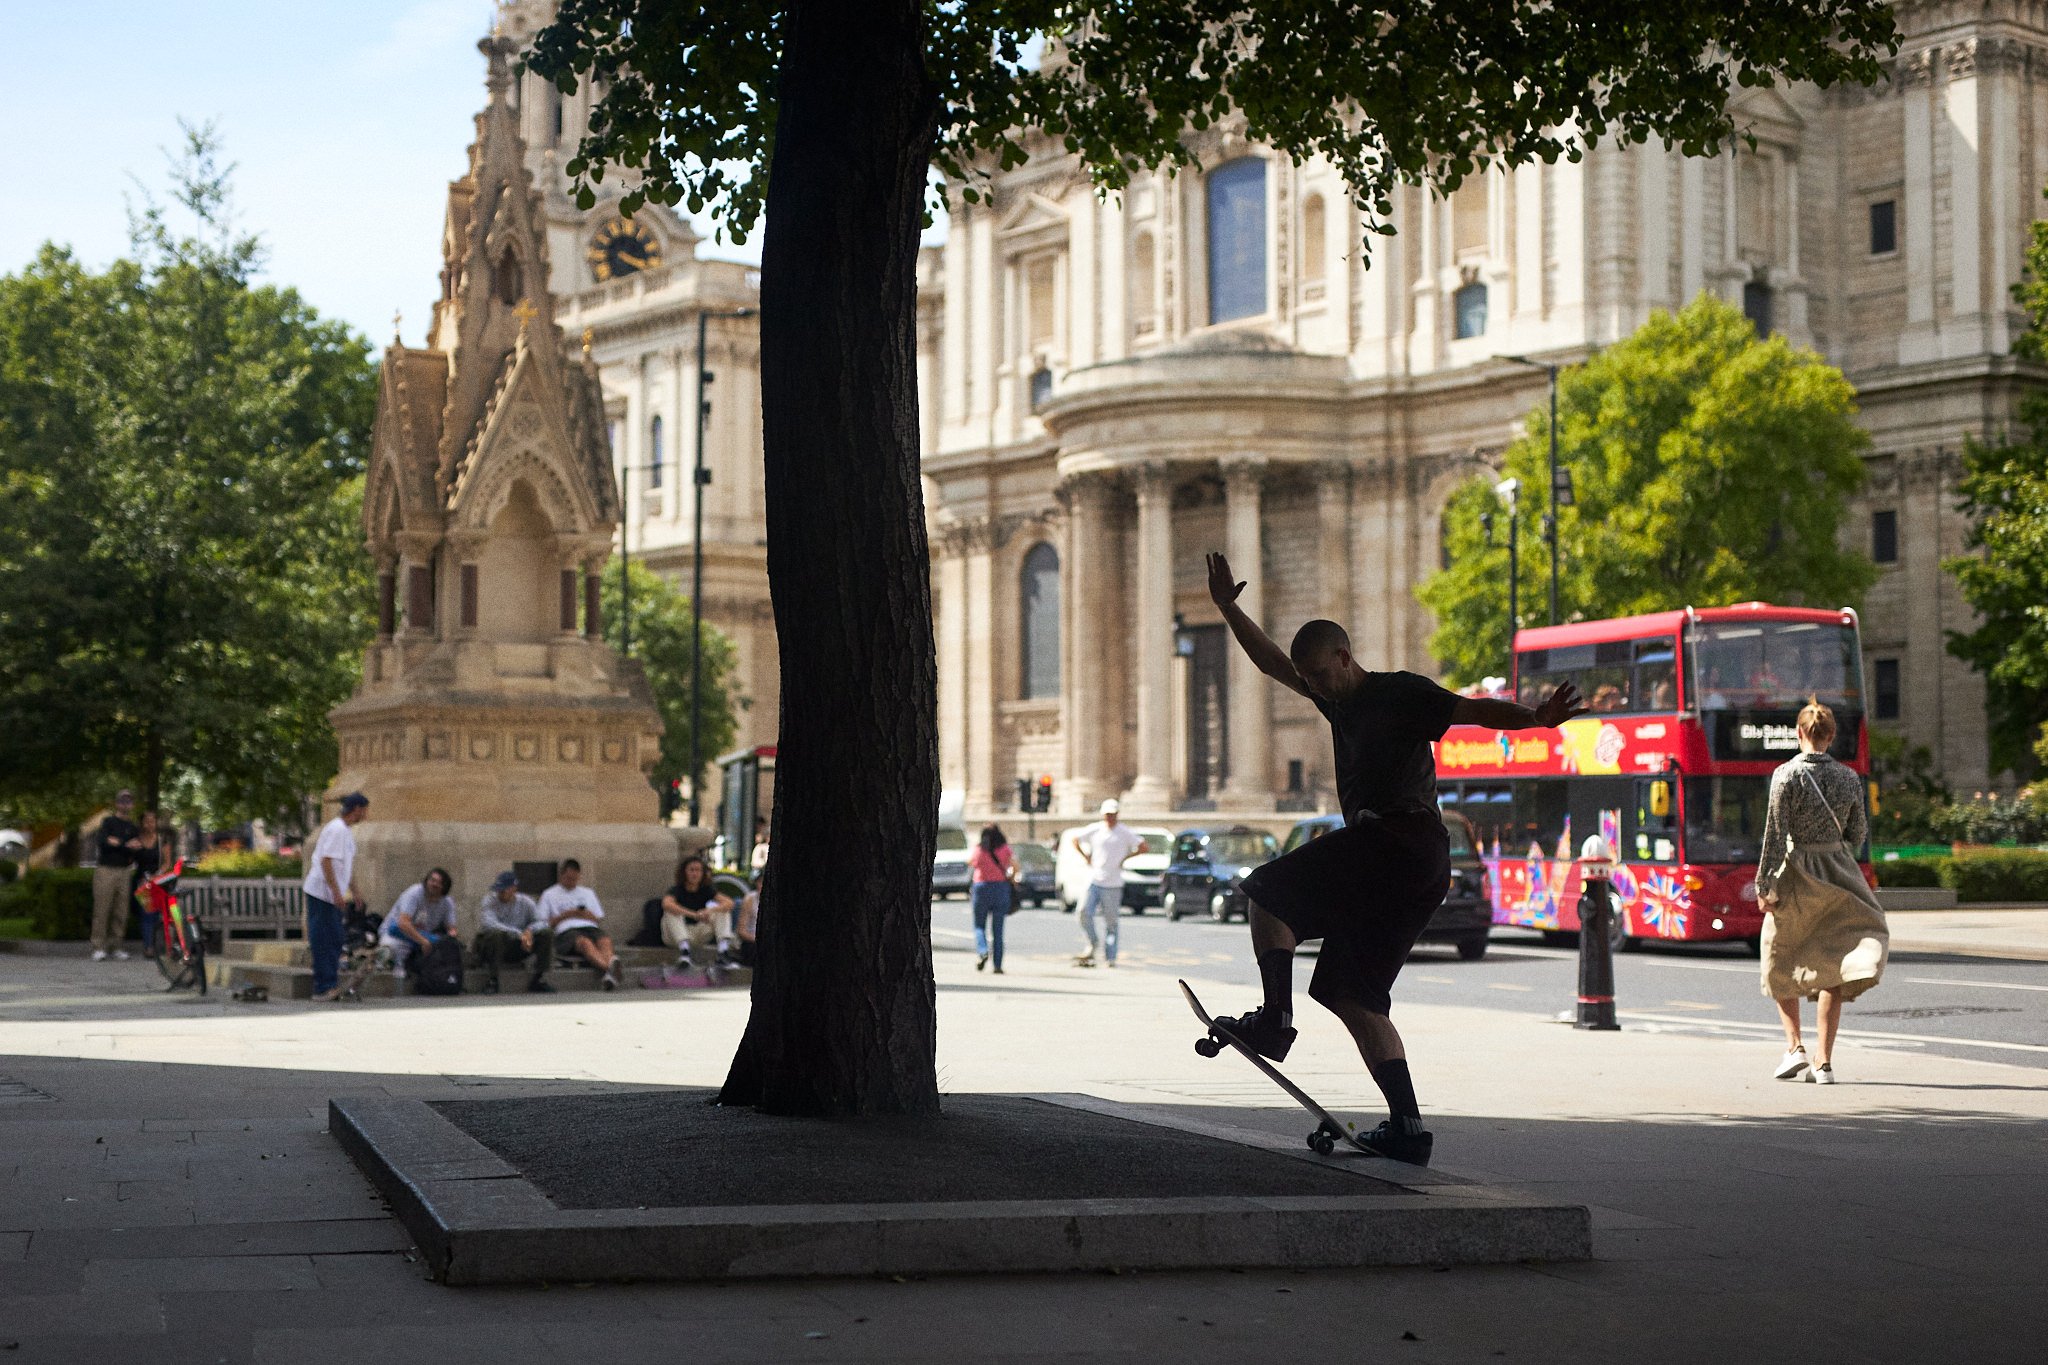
[506,277]
[1144,294]
[1237,239]
[654,454]
[1041,387]
[1041,621]
[1312,228]
[1468,307]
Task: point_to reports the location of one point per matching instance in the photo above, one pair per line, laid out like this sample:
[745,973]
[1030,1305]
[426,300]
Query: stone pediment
[1767,115]
[1033,221]
[526,434]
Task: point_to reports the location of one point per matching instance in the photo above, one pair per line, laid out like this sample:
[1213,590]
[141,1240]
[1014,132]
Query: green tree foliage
[180,452]
[2005,492]
[663,641]
[824,118]
[1709,466]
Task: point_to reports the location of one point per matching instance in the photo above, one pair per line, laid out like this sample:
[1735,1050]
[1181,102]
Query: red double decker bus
[1690,712]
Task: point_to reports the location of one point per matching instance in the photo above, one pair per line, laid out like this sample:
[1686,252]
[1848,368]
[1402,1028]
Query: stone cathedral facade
[1111,388]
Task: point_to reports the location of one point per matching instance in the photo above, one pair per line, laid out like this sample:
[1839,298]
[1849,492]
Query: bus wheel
[1617,935]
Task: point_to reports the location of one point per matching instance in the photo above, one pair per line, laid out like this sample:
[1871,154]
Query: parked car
[1207,871]
[950,873]
[1141,869]
[1036,881]
[1465,919]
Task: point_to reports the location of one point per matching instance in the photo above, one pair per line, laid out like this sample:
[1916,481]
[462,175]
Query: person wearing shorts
[1368,889]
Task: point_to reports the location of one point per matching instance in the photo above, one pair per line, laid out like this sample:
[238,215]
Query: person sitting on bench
[424,911]
[574,915]
[512,928]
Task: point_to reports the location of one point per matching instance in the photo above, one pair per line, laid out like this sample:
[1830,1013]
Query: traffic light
[1026,794]
[1044,802]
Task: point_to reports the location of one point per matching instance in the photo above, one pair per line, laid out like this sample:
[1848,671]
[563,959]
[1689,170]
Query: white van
[1141,873]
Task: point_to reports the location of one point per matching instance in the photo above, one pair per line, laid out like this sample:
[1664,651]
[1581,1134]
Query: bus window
[1656,674]
[1724,818]
[1776,664]
[1540,810]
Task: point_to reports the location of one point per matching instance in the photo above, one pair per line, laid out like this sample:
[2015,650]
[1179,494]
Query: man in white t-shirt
[1106,844]
[572,911]
[330,883]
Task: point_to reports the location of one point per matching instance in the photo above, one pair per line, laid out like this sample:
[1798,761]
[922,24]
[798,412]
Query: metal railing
[245,905]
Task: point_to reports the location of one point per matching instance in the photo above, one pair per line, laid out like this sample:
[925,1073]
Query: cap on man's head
[1110,807]
[504,881]
[353,801]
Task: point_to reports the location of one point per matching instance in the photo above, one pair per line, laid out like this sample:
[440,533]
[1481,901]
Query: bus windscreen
[1775,665]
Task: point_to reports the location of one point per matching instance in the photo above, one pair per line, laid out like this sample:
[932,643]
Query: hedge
[238,862]
[1910,871]
[58,900]
[1997,875]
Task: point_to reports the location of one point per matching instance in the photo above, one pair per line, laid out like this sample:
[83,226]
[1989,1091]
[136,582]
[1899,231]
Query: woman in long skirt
[1824,935]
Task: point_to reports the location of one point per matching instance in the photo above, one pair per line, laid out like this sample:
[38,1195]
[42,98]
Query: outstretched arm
[1270,658]
[1559,707]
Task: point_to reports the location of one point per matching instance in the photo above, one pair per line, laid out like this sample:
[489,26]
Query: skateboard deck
[1329,1132]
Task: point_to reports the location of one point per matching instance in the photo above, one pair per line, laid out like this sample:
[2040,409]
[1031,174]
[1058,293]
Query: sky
[344,123]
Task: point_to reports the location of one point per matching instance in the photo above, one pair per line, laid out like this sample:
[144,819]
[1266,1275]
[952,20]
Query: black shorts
[1367,891]
[576,939]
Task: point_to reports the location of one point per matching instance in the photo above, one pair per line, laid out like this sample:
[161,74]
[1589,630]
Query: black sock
[1392,1078]
[1276,972]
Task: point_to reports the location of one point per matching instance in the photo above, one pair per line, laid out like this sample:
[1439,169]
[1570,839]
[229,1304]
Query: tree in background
[664,623]
[1710,466]
[2005,491]
[181,586]
[828,116]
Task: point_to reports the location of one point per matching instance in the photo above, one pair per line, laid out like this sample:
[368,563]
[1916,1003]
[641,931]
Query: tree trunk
[843,1015]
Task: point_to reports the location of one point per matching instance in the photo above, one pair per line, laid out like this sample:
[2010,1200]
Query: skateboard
[1329,1132]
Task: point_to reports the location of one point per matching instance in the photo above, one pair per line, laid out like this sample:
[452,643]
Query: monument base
[624,864]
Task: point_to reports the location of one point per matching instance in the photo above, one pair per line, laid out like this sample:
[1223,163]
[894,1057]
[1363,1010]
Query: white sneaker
[120,954]
[1794,1062]
[99,955]
[1824,1074]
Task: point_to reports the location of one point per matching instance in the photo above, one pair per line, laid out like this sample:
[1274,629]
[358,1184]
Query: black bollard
[1596,950]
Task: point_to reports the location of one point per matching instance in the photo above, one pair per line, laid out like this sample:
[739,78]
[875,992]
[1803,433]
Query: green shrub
[56,900]
[1998,875]
[236,862]
[1992,819]
[1910,871]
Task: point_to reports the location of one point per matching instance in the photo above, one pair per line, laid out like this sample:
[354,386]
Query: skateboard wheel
[1322,1142]
[1208,1047]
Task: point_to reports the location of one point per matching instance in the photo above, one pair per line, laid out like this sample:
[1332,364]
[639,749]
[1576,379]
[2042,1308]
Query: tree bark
[843,1018]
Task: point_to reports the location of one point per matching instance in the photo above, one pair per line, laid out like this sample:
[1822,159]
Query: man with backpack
[421,936]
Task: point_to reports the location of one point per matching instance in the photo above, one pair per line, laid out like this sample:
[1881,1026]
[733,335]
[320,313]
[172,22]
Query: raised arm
[1269,657]
[1559,707]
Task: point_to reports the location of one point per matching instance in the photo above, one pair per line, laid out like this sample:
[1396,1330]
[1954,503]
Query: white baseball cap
[1110,807]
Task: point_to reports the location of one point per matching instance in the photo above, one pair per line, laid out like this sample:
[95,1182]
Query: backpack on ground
[437,968]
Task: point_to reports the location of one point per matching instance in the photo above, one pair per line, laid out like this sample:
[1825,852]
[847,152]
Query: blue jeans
[1107,899]
[991,903]
[323,937]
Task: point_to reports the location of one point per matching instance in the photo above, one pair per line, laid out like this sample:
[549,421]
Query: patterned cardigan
[1799,814]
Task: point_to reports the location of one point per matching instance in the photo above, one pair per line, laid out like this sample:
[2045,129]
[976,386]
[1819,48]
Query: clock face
[620,248]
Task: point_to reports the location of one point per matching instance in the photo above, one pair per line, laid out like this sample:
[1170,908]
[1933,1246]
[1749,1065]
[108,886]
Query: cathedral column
[1087,608]
[981,647]
[593,593]
[1249,785]
[1333,541]
[1153,788]
[950,591]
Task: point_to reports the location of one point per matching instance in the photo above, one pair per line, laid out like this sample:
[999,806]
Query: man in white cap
[1106,844]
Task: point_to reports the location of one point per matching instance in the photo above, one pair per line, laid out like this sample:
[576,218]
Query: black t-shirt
[1382,734]
[114,833]
[694,900]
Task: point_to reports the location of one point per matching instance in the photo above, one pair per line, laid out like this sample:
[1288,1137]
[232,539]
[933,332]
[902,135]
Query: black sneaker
[1259,1032]
[540,985]
[1390,1142]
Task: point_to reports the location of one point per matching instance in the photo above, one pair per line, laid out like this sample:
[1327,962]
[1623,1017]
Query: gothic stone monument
[492,724]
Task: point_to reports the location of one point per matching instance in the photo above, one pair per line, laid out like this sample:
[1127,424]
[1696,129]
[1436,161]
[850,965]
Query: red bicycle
[181,945]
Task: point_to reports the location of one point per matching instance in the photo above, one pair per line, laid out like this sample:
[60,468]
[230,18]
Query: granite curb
[478,1221]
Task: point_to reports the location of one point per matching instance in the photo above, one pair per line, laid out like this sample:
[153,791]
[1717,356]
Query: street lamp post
[701,477]
[1507,490]
[1560,488]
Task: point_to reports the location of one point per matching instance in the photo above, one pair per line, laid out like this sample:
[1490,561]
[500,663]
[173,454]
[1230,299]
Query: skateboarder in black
[1368,889]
